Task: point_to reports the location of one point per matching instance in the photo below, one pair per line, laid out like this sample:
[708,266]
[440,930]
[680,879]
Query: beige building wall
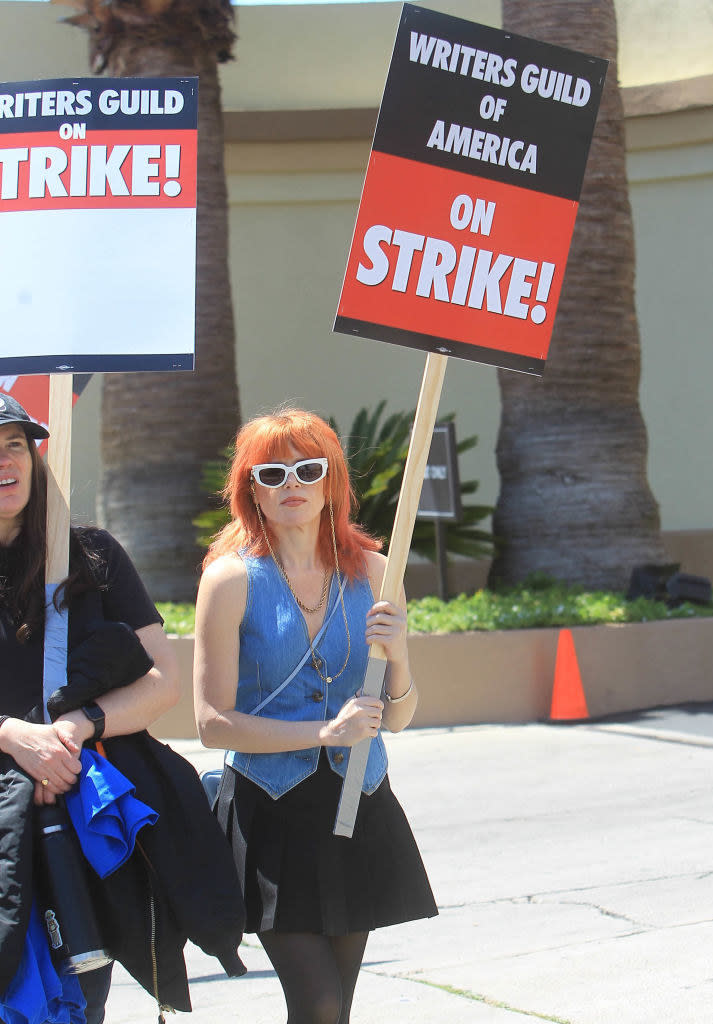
[293,203]
[662,41]
[670,166]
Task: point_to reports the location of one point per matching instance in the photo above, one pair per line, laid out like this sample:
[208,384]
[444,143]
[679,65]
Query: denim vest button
[338,758]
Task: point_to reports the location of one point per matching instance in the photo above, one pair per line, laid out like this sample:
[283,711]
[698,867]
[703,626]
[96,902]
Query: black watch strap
[96,716]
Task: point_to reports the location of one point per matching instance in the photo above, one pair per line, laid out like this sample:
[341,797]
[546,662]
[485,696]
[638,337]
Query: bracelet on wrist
[397,700]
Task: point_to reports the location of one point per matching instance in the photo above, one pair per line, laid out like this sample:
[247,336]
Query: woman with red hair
[284,620]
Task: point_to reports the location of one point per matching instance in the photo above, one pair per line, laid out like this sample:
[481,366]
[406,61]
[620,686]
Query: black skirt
[297,876]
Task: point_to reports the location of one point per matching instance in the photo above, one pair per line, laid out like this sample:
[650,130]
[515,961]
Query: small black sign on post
[440,494]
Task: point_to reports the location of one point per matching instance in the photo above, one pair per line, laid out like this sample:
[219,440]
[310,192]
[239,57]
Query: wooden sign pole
[59,461]
[59,458]
[423,424]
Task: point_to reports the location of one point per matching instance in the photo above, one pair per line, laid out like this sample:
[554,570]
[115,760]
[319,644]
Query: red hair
[268,439]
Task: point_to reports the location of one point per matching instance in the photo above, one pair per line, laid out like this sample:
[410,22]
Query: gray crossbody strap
[303,659]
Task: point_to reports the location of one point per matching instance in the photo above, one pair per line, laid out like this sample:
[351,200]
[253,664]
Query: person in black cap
[102,584]
[121,675]
[12,412]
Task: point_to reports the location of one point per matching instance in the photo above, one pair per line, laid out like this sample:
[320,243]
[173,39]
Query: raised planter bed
[507,676]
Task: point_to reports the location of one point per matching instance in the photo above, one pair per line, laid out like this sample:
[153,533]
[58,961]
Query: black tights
[317,973]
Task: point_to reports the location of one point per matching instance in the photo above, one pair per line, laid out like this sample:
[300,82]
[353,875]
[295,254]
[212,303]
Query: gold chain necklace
[316,662]
[283,572]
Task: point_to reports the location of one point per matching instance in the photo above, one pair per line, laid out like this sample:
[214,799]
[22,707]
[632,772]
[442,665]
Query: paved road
[687,723]
[573,867]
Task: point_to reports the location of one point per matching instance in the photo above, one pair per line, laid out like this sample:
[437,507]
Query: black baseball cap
[12,412]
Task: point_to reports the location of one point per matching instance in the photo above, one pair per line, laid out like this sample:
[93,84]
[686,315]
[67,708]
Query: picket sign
[423,424]
[83,160]
[464,226]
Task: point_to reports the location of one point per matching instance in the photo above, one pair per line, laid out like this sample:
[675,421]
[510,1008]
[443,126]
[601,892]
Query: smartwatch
[96,716]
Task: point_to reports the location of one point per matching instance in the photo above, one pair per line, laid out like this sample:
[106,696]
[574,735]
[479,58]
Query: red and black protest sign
[97,212]
[471,192]
[32,392]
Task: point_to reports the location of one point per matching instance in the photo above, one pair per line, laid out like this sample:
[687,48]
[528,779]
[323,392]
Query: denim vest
[273,641]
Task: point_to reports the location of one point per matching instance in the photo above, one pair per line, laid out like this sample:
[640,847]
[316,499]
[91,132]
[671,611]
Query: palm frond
[170,22]
[376,454]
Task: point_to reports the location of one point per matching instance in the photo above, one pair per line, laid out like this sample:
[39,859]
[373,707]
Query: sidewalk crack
[604,911]
[475,997]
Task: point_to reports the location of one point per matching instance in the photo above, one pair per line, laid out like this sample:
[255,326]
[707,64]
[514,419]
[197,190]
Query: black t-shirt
[122,597]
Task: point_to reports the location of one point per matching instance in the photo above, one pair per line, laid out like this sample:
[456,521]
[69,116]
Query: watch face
[95,715]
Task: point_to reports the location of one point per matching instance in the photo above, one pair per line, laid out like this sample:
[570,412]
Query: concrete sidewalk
[572,866]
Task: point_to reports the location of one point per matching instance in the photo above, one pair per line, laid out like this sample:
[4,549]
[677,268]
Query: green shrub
[177,618]
[217,515]
[535,604]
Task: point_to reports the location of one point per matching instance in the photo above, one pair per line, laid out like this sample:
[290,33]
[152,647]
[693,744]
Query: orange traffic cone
[568,700]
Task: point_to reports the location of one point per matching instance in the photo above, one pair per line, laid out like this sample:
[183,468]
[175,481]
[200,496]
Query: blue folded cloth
[37,994]
[105,813]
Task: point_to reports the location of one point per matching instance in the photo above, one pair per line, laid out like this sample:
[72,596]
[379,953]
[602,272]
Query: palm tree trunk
[158,429]
[574,498]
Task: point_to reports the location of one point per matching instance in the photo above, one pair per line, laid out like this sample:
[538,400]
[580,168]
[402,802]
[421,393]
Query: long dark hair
[23,595]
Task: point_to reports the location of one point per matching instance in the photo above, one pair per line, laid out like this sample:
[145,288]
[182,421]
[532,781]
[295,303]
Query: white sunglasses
[275,474]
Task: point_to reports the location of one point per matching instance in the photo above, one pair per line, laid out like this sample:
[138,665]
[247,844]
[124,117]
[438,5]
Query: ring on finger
[45,782]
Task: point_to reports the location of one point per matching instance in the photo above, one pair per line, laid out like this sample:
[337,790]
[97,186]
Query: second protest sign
[471,192]
[463,229]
